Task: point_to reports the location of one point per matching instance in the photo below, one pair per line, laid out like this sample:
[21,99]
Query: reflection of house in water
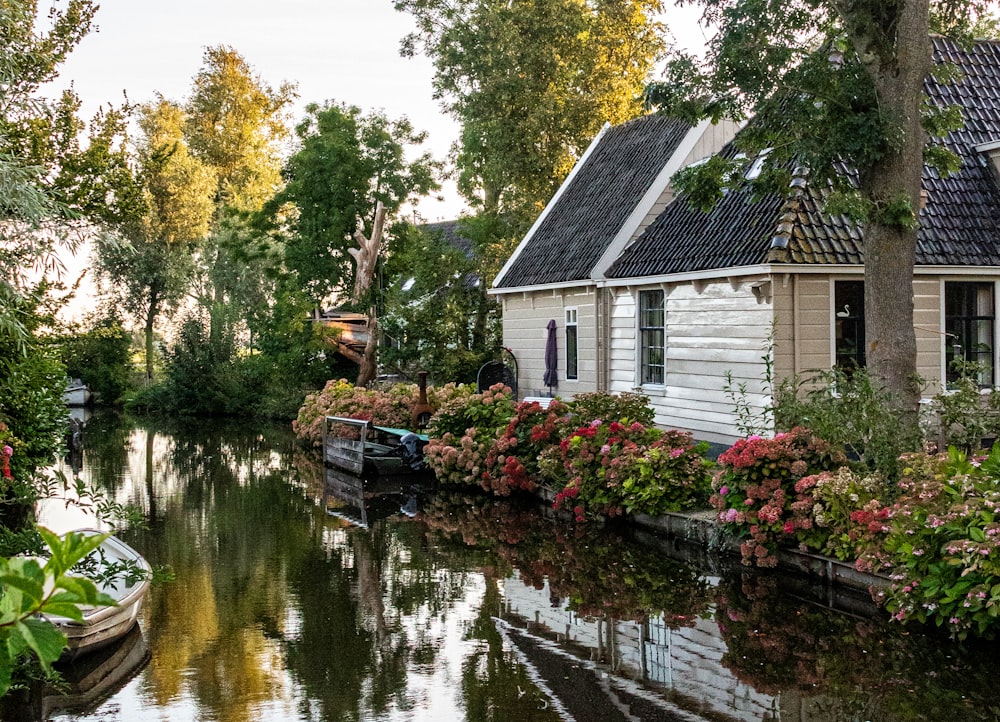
[684,666]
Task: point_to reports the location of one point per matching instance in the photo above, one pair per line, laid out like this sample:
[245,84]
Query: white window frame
[572,315]
[643,364]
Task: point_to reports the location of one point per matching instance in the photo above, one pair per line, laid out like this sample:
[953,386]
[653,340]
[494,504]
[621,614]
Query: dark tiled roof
[450,232]
[592,209]
[960,224]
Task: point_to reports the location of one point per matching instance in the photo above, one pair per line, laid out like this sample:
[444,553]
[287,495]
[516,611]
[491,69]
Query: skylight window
[755,169]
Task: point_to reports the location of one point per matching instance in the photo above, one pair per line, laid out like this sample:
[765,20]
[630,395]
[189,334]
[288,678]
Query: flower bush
[942,549]
[512,461]
[388,407]
[612,407]
[848,511]
[755,494]
[625,467]
[462,433]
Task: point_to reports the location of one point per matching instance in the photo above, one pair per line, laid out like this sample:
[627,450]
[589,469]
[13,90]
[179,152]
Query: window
[849,324]
[651,337]
[572,338]
[968,326]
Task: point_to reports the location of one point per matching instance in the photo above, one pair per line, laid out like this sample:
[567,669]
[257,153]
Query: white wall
[525,318]
[711,329]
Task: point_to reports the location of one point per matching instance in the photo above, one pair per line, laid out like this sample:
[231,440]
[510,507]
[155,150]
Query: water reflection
[473,609]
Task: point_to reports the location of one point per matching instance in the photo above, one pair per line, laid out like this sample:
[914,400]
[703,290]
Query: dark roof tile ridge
[788,217]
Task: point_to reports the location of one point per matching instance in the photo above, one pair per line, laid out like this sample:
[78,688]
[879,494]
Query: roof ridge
[788,217]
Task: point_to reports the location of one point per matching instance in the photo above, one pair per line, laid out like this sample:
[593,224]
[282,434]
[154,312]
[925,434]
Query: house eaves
[959,221]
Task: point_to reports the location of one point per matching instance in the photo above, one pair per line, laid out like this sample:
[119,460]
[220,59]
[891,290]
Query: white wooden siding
[708,333]
[525,320]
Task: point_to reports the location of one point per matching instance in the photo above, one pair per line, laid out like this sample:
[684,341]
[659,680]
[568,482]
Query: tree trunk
[369,361]
[150,320]
[898,63]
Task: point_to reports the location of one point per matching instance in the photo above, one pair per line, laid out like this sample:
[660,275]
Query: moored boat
[103,625]
[359,447]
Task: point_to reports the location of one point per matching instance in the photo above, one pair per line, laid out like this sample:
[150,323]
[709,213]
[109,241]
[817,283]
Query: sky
[339,50]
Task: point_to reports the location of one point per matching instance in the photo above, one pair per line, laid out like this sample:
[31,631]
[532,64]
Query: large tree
[149,259]
[835,89]
[346,162]
[531,82]
[235,124]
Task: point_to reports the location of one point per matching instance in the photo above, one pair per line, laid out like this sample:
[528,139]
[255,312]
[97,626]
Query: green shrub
[964,415]
[101,358]
[611,407]
[391,406]
[942,548]
[755,490]
[463,431]
[626,467]
[512,460]
[849,411]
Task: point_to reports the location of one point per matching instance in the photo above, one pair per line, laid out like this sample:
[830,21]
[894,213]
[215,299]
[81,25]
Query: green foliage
[462,432]
[235,124]
[965,416]
[101,357]
[757,493]
[942,550]
[438,317]
[587,407]
[531,84]
[852,412]
[611,468]
[30,587]
[346,162]
[513,460]
[392,406]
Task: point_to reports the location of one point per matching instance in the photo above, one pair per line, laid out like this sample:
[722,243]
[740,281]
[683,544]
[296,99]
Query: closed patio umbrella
[551,377]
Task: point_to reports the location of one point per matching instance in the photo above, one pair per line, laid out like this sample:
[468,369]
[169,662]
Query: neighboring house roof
[591,207]
[450,233]
[959,225]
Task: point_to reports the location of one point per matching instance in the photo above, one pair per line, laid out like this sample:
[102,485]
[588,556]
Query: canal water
[289,602]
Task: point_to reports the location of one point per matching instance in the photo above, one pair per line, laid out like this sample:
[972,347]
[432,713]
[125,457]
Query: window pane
[571,352]
[651,337]
[969,324]
[849,324]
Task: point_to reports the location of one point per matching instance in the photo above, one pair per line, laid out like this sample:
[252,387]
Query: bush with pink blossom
[626,467]
[755,494]
[390,406]
[463,431]
[512,461]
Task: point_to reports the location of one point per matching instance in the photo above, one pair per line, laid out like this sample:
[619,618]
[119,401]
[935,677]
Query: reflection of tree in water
[225,517]
[495,684]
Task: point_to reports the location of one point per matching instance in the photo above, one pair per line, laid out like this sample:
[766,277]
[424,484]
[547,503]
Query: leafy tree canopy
[346,162]
[531,82]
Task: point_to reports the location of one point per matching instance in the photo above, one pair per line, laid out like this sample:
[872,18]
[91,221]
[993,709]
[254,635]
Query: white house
[660,297]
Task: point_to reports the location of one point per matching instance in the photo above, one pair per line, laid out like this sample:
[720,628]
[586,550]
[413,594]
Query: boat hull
[104,625]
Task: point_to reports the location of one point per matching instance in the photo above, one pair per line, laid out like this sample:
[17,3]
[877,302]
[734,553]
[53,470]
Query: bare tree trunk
[366,257]
[369,360]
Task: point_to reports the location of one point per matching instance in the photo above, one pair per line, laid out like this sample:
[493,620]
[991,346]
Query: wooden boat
[76,394]
[103,625]
[95,677]
[361,448]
